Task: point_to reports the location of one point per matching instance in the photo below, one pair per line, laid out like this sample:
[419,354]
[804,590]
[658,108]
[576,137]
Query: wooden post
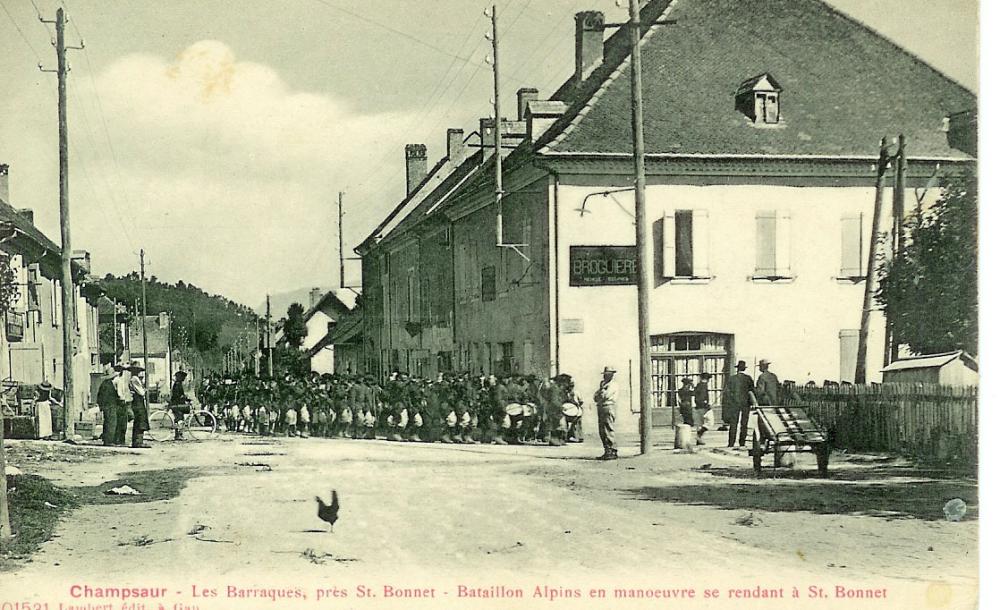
[641,236]
[898,212]
[861,366]
[5,532]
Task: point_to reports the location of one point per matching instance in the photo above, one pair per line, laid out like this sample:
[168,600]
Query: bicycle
[199,425]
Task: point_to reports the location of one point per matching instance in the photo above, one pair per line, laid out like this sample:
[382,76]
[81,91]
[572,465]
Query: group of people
[122,397]
[452,408]
[741,394]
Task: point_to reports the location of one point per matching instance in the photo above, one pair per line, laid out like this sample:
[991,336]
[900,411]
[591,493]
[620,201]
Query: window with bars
[489,283]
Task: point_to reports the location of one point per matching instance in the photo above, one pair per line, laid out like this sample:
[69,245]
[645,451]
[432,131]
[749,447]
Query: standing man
[767,384]
[180,404]
[107,400]
[737,397]
[140,416]
[703,416]
[606,398]
[122,386]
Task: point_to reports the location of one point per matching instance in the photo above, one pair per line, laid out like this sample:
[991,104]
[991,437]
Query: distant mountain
[280,301]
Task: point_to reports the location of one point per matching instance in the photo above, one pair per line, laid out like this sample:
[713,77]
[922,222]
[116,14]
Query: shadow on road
[876,494]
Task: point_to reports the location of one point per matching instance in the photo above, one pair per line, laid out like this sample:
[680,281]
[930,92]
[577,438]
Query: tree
[930,289]
[294,326]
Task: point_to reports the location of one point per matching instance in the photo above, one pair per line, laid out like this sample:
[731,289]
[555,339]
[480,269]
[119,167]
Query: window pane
[684,253]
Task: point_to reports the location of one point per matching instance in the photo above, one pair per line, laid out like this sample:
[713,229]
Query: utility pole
[256,353]
[5,531]
[267,334]
[641,236]
[898,212]
[497,138]
[861,367]
[69,303]
[145,350]
[340,235]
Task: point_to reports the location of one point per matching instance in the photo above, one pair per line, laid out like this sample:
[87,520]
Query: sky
[217,134]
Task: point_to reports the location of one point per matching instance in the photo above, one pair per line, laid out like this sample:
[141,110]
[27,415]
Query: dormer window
[758,99]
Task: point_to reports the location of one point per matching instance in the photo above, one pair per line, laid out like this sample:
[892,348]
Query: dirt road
[417,516]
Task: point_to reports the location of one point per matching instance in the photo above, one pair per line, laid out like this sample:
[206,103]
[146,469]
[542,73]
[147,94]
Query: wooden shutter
[783,245]
[850,245]
[699,239]
[668,247]
[848,353]
[766,237]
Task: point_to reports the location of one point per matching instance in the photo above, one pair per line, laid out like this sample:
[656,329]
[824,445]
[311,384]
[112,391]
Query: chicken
[328,512]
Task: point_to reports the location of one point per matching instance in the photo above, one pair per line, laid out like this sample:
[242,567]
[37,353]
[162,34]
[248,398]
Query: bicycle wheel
[161,426]
[201,425]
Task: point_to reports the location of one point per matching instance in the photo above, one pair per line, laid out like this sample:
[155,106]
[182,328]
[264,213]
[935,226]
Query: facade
[33,326]
[324,313]
[158,353]
[761,166]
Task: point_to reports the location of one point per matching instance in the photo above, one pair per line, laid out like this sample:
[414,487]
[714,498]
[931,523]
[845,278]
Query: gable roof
[844,86]
[434,176]
[932,361]
[340,301]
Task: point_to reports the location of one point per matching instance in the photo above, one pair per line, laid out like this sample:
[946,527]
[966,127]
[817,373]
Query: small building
[951,369]
[340,350]
[325,310]
[157,354]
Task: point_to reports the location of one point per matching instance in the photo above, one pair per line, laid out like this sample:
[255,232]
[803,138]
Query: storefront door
[680,355]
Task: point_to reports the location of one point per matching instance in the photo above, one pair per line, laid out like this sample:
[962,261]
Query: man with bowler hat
[606,398]
[767,384]
[737,397]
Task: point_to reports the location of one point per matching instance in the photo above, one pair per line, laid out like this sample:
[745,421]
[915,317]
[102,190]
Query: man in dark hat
[737,397]
[108,401]
[140,413]
[180,404]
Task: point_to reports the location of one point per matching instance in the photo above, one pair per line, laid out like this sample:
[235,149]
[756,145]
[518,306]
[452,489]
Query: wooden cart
[782,430]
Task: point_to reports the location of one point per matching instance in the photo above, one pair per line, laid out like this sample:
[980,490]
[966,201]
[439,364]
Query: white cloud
[231,175]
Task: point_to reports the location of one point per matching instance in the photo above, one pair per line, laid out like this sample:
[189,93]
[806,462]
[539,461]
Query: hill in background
[204,325]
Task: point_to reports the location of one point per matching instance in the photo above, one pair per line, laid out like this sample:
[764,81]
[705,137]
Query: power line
[388,28]
[21,32]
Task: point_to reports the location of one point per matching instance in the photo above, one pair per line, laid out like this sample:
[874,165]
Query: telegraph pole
[497,138]
[641,236]
[898,212]
[267,334]
[145,350]
[861,367]
[68,300]
[340,235]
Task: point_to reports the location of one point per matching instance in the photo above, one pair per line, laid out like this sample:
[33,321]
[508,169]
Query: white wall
[322,361]
[316,328]
[795,324]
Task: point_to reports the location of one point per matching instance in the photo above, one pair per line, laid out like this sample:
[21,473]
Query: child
[247,422]
[291,421]
[346,420]
[322,418]
[272,420]
[262,420]
[304,421]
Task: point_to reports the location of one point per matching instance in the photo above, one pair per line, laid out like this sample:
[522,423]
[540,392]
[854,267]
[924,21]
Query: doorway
[687,354]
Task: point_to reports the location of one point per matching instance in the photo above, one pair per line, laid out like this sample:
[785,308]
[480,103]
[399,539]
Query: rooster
[328,512]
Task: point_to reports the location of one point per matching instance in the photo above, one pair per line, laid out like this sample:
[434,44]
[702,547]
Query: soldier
[606,399]
[550,402]
[572,408]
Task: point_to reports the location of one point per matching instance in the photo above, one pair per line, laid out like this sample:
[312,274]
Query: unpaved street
[414,514]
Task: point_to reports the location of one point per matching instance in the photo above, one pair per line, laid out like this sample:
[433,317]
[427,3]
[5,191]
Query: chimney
[314,295]
[25,213]
[416,166]
[4,185]
[81,258]
[541,115]
[589,42]
[164,320]
[524,96]
[456,145]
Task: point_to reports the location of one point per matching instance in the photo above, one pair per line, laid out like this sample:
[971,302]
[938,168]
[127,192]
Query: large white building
[763,127]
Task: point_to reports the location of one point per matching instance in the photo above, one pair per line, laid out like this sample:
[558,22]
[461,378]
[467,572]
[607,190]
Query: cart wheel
[757,453]
[823,459]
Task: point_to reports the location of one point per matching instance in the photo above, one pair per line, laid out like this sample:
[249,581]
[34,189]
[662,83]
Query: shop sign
[602,266]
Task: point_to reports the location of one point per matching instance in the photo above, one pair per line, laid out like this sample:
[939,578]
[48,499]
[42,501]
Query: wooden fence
[923,421]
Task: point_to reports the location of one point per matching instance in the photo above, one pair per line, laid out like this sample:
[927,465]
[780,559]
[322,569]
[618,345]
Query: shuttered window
[851,246]
[848,353]
[773,254]
[685,244]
